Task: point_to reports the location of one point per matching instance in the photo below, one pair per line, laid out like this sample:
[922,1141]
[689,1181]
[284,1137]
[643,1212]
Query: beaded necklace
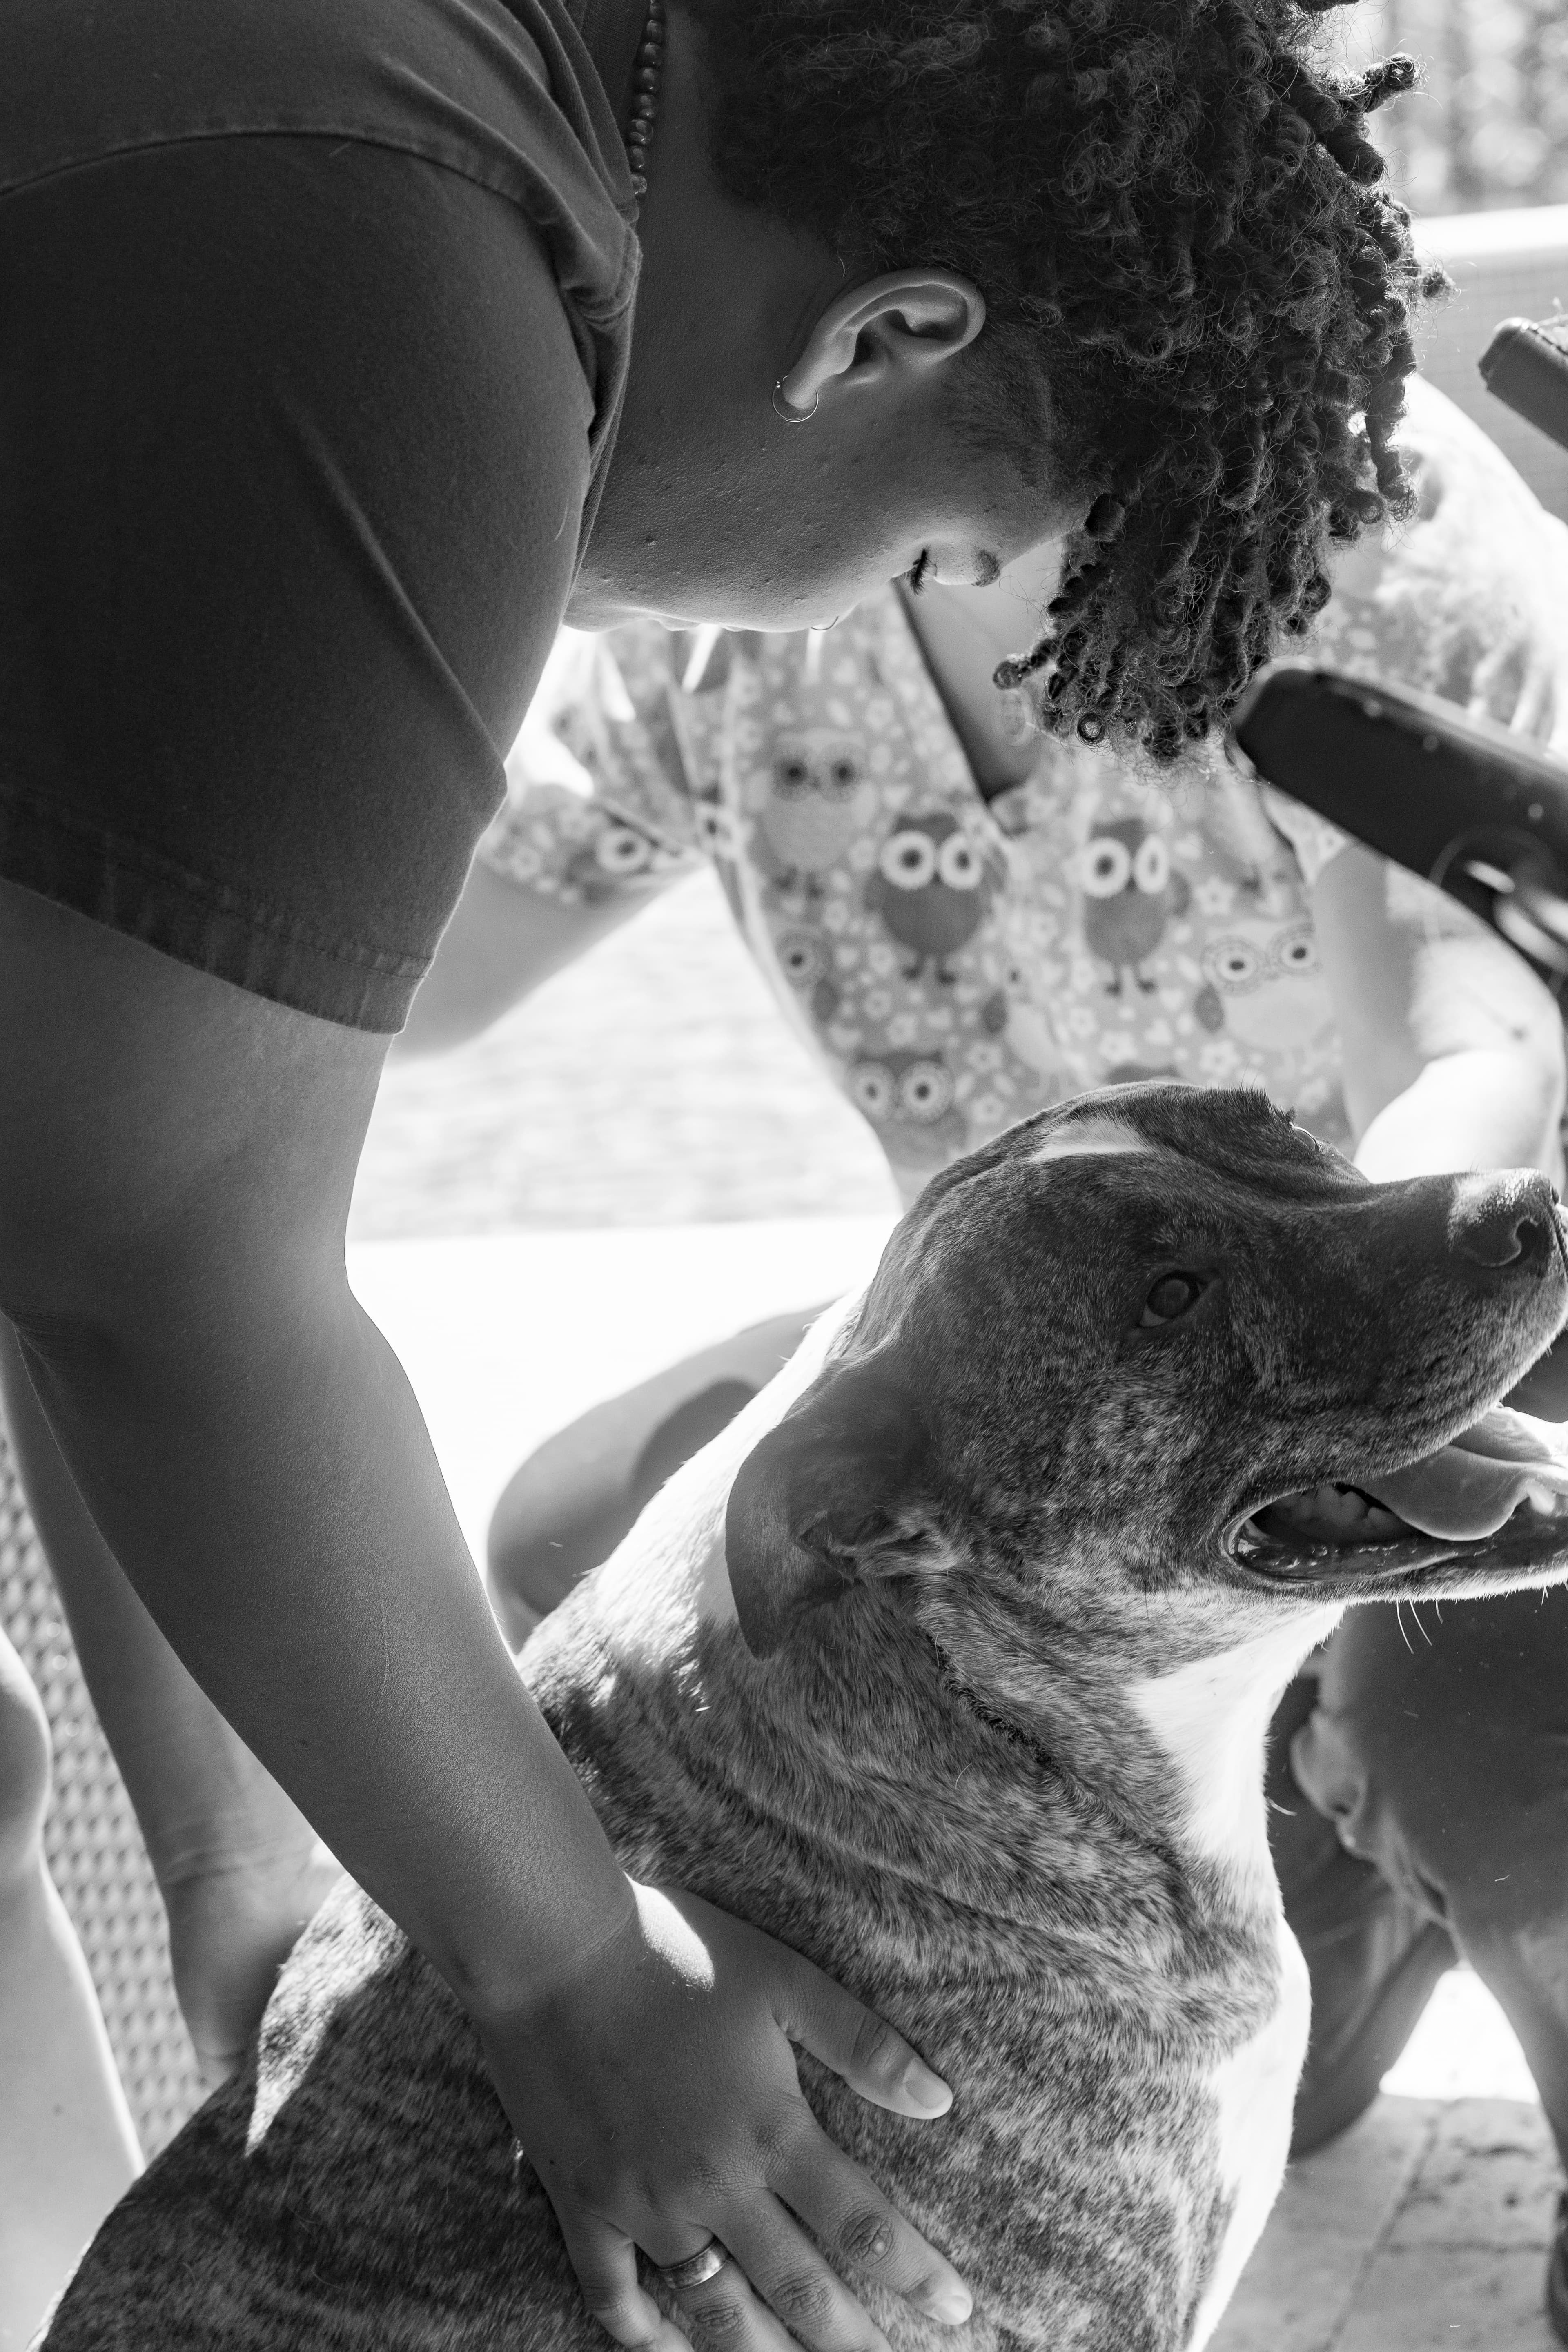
[644,102]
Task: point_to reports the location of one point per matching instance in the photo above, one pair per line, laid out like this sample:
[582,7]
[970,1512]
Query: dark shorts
[313,324]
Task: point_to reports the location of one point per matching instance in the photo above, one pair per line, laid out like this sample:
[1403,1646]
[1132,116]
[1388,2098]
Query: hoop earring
[787,415]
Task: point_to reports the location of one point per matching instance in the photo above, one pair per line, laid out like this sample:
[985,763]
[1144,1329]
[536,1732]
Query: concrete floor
[1426,2226]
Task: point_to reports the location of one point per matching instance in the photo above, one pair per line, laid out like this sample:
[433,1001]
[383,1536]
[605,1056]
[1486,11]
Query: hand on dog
[657,2099]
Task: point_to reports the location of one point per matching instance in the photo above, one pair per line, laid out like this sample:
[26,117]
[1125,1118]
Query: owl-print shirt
[956,964]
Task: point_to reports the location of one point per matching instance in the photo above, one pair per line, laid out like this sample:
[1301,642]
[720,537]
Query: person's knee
[24,1768]
[1438,1749]
[1363,1782]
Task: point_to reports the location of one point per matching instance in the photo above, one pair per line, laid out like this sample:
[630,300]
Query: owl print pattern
[956,965]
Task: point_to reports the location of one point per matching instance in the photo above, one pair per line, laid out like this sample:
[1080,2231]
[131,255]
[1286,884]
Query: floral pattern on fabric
[957,965]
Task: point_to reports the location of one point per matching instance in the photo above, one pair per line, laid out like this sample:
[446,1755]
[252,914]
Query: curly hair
[1198,298]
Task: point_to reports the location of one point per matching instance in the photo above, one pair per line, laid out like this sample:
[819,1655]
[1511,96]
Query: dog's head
[1157,1340]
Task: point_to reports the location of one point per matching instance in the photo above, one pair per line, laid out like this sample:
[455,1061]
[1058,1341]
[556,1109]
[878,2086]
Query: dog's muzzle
[1507,1473]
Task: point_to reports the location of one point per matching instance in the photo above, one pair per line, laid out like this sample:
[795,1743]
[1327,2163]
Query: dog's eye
[1171,1296]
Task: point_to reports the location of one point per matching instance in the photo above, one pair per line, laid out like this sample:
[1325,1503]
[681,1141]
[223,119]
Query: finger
[859,2044]
[605,2262]
[858,2230]
[810,2306]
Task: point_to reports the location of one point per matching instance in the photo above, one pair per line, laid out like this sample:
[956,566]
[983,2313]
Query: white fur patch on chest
[1255,2094]
[1210,1718]
[1210,1715]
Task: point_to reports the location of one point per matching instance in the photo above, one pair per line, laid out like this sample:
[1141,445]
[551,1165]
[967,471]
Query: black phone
[1526,366]
[1464,804]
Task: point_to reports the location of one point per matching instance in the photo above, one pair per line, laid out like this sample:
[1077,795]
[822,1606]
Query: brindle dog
[950,1663]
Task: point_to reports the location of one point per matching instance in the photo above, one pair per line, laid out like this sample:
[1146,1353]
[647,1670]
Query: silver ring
[697,2269]
[787,415]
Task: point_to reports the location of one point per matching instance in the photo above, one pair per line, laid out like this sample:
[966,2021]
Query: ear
[836,1494]
[898,326]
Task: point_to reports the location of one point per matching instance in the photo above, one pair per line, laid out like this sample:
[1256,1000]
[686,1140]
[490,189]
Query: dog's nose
[1505,1221]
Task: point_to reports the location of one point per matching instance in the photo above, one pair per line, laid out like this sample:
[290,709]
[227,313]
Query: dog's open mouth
[1507,1468]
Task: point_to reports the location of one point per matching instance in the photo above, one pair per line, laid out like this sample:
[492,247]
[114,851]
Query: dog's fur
[939,1665]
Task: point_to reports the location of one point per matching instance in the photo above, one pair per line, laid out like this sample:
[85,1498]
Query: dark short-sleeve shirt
[314,324]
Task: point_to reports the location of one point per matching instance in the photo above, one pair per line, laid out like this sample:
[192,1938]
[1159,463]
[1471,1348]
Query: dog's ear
[836,1493]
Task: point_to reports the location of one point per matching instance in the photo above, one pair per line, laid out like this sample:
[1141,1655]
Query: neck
[962,633]
[1210,1719]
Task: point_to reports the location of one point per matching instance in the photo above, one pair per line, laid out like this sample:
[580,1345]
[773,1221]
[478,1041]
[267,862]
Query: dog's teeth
[1337,1506]
[1546,1501]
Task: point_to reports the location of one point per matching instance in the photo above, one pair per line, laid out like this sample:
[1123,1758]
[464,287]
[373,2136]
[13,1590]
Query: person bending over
[346,350]
[967,923]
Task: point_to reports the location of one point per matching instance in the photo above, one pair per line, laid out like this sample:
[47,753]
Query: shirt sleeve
[599,799]
[1469,600]
[1311,837]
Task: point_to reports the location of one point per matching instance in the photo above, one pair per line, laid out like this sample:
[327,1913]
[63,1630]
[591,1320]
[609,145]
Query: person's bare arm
[1453,1049]
[239,1868]
[176,1160]
[503,942]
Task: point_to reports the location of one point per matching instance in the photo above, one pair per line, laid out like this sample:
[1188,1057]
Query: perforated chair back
[93,1844]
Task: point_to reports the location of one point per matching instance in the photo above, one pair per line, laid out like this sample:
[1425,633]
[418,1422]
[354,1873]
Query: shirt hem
[208,925]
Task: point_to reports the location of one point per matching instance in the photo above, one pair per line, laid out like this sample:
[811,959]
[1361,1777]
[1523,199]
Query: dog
[950,1663]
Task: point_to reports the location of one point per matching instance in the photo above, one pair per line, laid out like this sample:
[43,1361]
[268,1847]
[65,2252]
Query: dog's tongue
[1479,1480]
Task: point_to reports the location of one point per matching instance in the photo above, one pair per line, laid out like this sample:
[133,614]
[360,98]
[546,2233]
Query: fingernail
[951,2302]
[925,2090]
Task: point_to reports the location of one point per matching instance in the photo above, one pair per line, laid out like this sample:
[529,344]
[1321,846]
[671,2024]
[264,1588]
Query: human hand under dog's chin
[656,2098]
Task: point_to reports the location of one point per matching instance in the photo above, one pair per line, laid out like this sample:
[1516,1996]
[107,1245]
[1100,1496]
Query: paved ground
[1425,2225]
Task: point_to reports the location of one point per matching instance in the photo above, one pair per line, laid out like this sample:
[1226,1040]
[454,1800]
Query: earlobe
[896,327]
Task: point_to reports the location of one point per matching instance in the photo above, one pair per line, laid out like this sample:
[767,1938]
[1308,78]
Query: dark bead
[637,157]
[640,185]
[647,77]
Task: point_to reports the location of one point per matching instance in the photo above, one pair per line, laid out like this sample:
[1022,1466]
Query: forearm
[1490,1107]
[503,942]
[259,1465]
[1452,1050]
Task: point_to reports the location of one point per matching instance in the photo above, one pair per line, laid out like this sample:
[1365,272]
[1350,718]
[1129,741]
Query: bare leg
[1374,1956]
[67,2150]
[239,1867]
[1440,1745]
